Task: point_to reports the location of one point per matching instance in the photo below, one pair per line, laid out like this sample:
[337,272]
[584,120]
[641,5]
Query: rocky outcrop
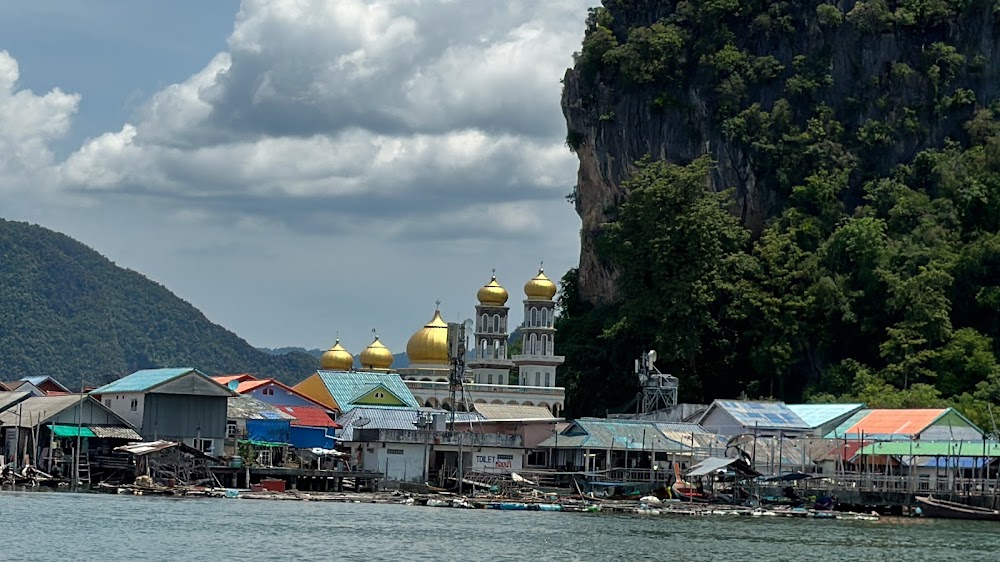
[878,60]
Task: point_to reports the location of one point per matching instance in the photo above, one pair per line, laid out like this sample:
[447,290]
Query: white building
[537,362]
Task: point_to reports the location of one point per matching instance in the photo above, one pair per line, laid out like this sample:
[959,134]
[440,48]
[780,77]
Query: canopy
[788,477]
[712,464]
[71,431]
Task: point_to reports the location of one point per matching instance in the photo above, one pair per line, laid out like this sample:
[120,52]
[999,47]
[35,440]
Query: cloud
[320,112]
[30,123]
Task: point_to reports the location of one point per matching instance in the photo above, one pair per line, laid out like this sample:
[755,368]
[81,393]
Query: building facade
[537,362]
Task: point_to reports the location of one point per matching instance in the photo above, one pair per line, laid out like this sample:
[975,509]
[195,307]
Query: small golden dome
[492,294]
[429,345]
[376,356]
[540,287]
[336,359]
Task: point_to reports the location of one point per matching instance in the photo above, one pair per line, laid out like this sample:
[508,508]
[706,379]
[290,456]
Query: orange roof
[896,422]
[247,386]
[226,379]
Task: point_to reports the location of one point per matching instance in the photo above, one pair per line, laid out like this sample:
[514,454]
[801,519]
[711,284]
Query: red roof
[247,386]
[309,416]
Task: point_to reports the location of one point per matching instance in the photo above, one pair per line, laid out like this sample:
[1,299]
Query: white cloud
[415,107]
[28,124]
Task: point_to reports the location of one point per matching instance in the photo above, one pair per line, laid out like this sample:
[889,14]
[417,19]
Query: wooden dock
[302,479]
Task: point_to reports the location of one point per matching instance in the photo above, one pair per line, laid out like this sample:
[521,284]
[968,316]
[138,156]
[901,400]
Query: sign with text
[485,460]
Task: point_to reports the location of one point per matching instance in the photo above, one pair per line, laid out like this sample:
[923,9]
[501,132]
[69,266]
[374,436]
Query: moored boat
[943,509]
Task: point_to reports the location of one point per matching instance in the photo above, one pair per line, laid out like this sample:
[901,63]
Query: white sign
[480,460]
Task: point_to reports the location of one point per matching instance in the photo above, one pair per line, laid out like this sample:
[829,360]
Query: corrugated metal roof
[38,380]
[815,415]
[141,381]
[246,407]
[514,412]
[38,409]
[309,416]
[114,432]
[884,423]
[226,379]
[346,387]
[599,433]
[933,449]
[9,399]
[765,415]
[382,417]
[840,430]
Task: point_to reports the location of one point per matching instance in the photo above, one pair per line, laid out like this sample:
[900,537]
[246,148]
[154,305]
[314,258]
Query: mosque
[489,378]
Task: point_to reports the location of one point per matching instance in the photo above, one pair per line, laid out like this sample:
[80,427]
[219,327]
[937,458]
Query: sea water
[62,526]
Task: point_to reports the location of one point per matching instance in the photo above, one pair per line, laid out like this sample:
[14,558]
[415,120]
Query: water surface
[52,525]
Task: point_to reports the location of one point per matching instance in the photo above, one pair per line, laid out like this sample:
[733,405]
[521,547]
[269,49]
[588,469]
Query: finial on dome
[541,267]
[375,332]
[437,304]
[493,274]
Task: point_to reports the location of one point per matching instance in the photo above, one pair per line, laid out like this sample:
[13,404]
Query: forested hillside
[68,312]
[798,200]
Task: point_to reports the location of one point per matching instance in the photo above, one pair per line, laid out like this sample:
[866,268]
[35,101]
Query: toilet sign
[481,460]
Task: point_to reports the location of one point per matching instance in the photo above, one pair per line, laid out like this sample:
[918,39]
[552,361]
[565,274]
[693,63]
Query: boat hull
[942,509]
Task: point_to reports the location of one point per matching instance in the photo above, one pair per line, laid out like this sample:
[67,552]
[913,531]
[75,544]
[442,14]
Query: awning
[270,444]
[712,464]
[115,432]
[71,431]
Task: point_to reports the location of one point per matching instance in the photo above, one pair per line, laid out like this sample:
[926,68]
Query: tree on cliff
[858,148]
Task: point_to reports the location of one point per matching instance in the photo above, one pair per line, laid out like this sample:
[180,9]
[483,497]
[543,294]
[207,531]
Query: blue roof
[141,381]
[816,415]
[762,414]
[347,386]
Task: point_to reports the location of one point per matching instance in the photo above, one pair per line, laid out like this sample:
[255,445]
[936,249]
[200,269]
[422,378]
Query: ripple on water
[109,527]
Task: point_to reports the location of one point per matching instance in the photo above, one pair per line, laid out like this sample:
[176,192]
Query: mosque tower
[536,365]
[489,359]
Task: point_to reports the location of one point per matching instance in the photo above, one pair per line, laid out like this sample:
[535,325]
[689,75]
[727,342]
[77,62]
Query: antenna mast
[456,378]
[659,391]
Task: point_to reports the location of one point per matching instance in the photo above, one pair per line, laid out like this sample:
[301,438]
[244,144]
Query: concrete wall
[121,404]
[400,462]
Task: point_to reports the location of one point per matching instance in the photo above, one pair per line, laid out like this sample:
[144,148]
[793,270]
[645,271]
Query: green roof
[141,381]
[70,431]
[347,386]
[934,449]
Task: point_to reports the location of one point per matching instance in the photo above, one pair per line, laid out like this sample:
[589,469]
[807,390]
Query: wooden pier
[302,479]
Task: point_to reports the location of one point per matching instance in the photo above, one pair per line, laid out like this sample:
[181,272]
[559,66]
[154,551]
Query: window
[545,344]
[496,323]
[135,405]
[536,458]
[545,317]
[534,317]
[203,445]
[489,378]
[547,380]
[107,402]
[268,391]
[538,379]
[379,394]
[230,428]
[394,451]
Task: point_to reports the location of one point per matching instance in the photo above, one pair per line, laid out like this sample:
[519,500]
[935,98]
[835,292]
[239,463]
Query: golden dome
[376,356]
[336,359]
[429,345]
[492,294]
[540,287]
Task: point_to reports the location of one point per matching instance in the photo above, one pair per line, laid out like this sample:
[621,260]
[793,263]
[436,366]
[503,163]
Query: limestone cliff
[744,81]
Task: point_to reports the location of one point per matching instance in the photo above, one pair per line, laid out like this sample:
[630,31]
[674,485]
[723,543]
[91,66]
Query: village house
[342,391]
[180,404]
[312,426]
[44,429]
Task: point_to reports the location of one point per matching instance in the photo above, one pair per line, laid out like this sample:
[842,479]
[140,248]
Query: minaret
[489,360]
[536,365]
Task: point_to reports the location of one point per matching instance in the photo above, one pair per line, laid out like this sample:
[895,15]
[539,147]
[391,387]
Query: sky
[298,168]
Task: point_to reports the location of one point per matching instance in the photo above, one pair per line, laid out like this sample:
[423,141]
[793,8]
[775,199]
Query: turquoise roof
[839,431]
[141,381]
[816,415]
[637,435]
[347,386]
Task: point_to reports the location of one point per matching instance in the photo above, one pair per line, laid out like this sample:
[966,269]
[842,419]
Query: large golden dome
[492,294]
[336,359]
[376,356]
[429,345]
[540,287]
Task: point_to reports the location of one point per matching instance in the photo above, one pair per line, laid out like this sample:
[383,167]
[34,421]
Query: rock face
[920,68]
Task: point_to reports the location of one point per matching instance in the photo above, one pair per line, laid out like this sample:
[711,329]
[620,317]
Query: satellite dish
[233,385]
[361,422]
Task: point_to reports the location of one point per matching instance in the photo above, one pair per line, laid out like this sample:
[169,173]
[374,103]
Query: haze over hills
[69,312]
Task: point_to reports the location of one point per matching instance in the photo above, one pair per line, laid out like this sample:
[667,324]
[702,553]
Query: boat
[933,507]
